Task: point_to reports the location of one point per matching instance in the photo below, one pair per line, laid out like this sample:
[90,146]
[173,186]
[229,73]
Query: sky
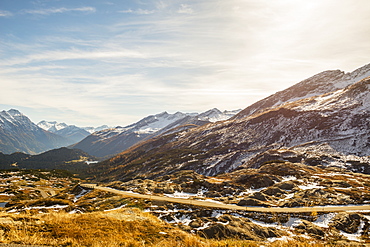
[95,62]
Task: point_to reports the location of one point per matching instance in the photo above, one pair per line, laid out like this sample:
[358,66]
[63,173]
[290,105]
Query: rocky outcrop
[286,185]
[348,222]
[241,228]
[310,228]
[252,202]
[257,180]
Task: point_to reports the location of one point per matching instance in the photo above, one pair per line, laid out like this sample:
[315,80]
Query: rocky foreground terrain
[282,184]
[273,184]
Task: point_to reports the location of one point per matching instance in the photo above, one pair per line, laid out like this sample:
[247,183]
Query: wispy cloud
[137,11]
[185,9]
[72,54]
[4,13]
[150,56]
[59,10]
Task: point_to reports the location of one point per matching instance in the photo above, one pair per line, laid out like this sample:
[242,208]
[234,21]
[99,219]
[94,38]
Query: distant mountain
[51,126]
[337,119]
[62,158]
[215,115]
[19,134]
[94,129]
[115,140]
[71,132]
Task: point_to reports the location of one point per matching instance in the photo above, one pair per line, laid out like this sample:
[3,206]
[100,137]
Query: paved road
[209,204]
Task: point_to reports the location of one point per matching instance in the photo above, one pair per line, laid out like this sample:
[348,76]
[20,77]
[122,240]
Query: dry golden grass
[125,228]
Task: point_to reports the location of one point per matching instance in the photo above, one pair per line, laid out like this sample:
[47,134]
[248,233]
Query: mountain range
[115,140]
[325,116]
[321,121]
[71,132]
[19,134]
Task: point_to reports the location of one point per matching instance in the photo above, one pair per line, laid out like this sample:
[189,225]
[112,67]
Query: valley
[292,168]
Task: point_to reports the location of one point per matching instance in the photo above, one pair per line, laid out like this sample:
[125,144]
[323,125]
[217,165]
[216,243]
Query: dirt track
[209,204]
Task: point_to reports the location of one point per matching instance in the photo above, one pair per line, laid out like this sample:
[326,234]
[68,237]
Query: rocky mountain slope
[19,134]
[115,140]
[71,132]
[318,84]
[338,119]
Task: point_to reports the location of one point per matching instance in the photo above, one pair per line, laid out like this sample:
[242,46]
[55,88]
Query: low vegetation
[124,227]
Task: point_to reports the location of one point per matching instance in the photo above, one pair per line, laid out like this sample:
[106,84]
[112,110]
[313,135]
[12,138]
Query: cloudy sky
[94,62]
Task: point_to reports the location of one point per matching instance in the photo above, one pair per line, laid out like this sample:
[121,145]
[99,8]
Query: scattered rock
[347,222]
[195,224]
[310,228]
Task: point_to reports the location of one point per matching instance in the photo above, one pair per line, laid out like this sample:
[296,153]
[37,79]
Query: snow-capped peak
[12,116]
[15,118]
[54,126]
[154,123]
[93,129]
[15,113]
[215,115]
[51,126]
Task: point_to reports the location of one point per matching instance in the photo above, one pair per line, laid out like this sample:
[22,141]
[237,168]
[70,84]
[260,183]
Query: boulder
[286,185]
[225,218]
[195,223]
[310,228]
[228,191]
[213,194]
[347,222]
[257,180]
[168,190]
[292,203]
[158,190]
[274,191]
[316,193]
[259,196]
[204,213]
[252,202]
[241,230]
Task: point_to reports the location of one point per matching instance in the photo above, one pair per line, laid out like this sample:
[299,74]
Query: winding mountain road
[210,204]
